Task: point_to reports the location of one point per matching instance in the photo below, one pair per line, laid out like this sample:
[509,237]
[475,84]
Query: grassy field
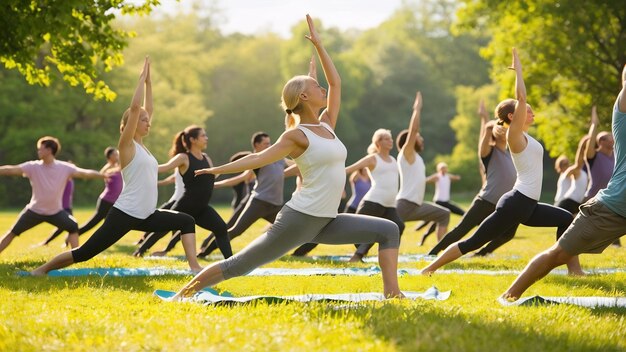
[121,314]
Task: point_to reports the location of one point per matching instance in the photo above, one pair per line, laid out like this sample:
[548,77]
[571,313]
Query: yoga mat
[373,270]
[403,258]
[209,298]
[589,302]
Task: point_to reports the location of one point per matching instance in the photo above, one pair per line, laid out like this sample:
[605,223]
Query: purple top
[113,187]
[360,188]
[68,194]
[601,171]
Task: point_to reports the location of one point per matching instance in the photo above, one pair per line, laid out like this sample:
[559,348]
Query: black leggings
[377,210]
[58,231]
[255,209]
[569,205]
[102,209]
[477,212]
[230,223]
[117,224]
[513,209]
[205,217]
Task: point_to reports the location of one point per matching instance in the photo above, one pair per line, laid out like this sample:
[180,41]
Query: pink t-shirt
[48,182]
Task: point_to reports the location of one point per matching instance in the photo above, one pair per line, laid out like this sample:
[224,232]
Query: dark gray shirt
[270,180]
[501,175]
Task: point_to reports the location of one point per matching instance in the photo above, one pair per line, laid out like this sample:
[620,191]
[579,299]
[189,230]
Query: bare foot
[159,254]
[196,270]
[507,298]
[576,273]
[395,295]
[356,258]
[37,272]
[427,272]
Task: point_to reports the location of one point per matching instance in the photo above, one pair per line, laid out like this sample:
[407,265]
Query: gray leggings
[293,228]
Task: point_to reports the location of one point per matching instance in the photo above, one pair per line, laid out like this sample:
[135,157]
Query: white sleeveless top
[442,188]
[562,185]
[576,191]
[179,186]
[412,179]
[139,193]
[384,182]
[529,167]
[323,170]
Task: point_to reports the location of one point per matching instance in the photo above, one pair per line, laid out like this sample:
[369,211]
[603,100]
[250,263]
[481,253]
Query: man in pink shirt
[48,177]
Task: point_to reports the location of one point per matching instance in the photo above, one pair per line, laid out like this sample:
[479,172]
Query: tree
[572,53]
[72,38]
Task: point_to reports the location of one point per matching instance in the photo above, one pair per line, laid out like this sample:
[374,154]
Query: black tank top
[198,188]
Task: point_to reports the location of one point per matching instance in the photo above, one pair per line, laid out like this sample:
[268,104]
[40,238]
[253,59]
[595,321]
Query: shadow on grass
[426,327]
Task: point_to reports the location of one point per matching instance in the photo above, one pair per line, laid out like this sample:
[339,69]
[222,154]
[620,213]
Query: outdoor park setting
[344,175]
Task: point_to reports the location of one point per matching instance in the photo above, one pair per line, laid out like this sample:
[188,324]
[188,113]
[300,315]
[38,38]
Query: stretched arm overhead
[515,135]
[11,170]
[486,131]
[125,145]
[313,68]
[333,97]
[368,161]
[286,143]
[147,102]
[408,150]
[580,158]
[621,100]
[590,151]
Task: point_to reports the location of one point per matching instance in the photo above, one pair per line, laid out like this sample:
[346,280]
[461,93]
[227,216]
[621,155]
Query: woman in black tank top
[188,157]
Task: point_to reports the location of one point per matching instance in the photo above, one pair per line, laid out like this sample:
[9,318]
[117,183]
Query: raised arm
[486,131]
[313,68]
[590,151]
[621,100]
[515,135]
[408,149]
[11,170]
[125,145]
[368,161]
[580,158]
[147,102]
[333,97]
[285,144]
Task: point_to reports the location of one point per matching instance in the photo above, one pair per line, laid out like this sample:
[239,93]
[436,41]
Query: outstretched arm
[11,170]
[125,145]
[235,180]
[408,149]
[515,135]
[180,161]
[590,151]
[368,161]
[86,173]
[333,97]
[285,144]
[167,181]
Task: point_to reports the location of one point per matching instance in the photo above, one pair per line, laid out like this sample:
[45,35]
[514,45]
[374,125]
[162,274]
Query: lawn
[121,314]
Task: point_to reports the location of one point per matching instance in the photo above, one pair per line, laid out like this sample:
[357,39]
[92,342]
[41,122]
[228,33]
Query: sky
[278,16]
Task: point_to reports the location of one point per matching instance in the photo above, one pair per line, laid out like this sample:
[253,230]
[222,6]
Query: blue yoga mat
[213,298]
[590,302]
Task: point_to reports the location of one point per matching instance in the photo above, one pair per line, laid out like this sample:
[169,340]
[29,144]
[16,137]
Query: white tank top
[442,188]
[529,167]
[562,185]
[384,182]
[139,194]
[323,170]
[576,191]
[179,186]
[412,179]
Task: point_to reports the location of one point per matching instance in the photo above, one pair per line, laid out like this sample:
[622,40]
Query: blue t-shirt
[614,195]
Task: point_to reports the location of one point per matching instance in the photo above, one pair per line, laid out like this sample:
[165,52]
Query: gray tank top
[270,181]
[501,175]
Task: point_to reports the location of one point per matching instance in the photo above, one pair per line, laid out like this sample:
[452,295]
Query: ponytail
[178,145]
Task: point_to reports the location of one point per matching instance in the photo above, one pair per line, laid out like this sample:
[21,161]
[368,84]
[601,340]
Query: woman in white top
[521,204]
[311,214]
[380,199]
[135,208]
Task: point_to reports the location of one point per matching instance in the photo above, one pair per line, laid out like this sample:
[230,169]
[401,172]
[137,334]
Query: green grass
[107,313]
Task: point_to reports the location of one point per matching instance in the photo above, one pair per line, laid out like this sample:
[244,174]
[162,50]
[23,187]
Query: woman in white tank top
[135,208]
[521,204]
[573,195]
[380,200]
[311,214]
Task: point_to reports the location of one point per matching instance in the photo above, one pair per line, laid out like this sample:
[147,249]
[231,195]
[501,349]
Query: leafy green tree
[572,53]
[74,37]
